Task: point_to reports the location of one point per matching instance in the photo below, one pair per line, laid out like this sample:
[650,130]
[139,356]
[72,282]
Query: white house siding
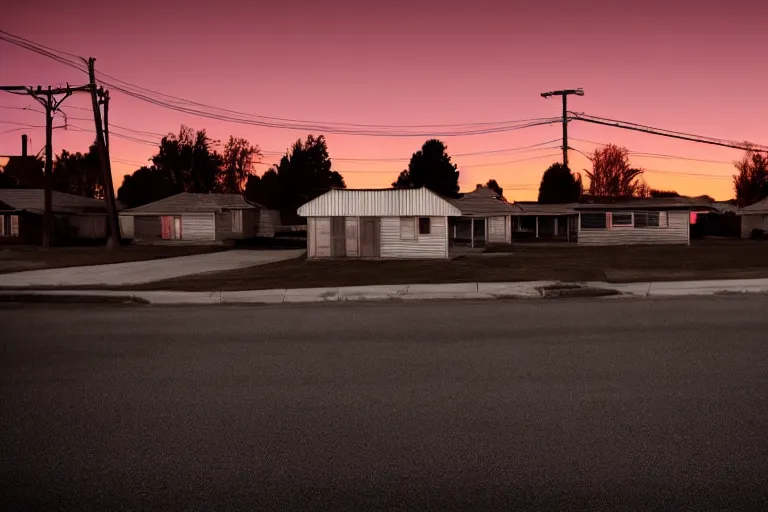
[351,225]
[433,245]
[198,226]
[126,226]
[320,237]
[498,230]
[418,202]
[750,222]
[677,231]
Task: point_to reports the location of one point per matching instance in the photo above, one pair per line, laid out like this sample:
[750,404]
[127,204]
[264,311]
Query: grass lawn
[702,260]
[17,259]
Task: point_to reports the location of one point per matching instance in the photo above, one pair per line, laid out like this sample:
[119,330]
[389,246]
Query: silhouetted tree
[663,193]
[144,186]
[237,165]
[493,185]
[559,185]
[190,161]
[22,172]
[612,174]
[303,173]
[431,167]
[751,183]
[79,174]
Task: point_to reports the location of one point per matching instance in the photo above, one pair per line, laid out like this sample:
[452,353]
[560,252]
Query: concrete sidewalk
[139,272]
[458,291]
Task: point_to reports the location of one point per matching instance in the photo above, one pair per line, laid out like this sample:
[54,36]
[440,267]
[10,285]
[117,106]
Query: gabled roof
[33,200]
[187,202]
[484,202]
[411,202]
[760,207]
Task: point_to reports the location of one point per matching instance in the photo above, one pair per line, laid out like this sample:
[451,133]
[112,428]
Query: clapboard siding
[268,220]
[201,226]
[675,232]
[419,202]
[126,226]
[750,222]
[321,237]
[433,245]
[147,228]
[497,230]
[351,228]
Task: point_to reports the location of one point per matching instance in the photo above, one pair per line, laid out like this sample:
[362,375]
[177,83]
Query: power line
[132,90]
[659,155]
[668,133]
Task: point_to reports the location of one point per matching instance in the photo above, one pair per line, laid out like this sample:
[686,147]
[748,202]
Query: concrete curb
[452,291]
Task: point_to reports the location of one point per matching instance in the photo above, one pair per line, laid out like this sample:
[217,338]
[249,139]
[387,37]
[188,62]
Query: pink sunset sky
[700,69]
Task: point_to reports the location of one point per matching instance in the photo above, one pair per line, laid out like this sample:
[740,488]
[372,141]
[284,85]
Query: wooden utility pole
[113,242]
[105,101]
[48,99]
[564,94]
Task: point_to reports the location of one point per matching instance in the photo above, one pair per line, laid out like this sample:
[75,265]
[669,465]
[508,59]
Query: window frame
[647,215]
[581,221]
[629,225]
[429,225]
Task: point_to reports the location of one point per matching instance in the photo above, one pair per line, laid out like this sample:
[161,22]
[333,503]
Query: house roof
[410,202]
[187,202]
[483,202]
[546,209]
[653,203]
[33,200]
[759,208]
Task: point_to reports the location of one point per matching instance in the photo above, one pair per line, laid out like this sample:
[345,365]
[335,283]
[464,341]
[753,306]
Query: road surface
[581,404]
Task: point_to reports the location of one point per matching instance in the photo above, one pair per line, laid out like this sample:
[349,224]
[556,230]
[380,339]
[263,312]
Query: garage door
[197,227]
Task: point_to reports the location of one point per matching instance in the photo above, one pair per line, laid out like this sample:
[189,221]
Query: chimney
[24,145]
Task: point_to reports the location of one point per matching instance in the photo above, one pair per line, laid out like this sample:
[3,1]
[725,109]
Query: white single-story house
[754,217]
[74,217]
[382,223]
[203,218]
[621,222]
[485,218]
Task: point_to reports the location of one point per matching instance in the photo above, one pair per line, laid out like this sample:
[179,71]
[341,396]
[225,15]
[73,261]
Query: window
[237,220]
[424,225]
[407,228]
[9,225]
[593,220]
[621,219]
[647,219]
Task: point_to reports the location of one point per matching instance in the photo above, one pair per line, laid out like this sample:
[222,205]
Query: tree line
[190,162]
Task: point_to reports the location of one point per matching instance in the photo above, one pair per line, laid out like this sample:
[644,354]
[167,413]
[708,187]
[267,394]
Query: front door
[338,237]
[369,237]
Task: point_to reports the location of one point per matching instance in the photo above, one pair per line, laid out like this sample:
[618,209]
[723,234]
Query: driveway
[139,272]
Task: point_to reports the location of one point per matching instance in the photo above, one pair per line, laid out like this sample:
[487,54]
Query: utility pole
[49,100]
[105,101]
[113,242]
[564,93]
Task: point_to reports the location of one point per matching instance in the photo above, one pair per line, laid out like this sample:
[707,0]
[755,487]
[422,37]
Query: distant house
[754,217]
[384,223]
[204,218]
[485,218]
[74,217]
[609,222]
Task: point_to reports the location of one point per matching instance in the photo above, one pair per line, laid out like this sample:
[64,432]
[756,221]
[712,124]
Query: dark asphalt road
[600,405]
